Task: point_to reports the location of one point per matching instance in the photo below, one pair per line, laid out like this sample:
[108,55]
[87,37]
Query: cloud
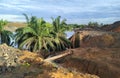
[75,10]
[13,5]
[9,6]
[108,20]
[12,17]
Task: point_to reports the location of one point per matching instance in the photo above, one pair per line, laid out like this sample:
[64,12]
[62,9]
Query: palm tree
[41,36]
[36,36]
[5,35]
[59,28]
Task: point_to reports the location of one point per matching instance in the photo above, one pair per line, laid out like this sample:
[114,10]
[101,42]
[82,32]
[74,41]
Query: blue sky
[75,11]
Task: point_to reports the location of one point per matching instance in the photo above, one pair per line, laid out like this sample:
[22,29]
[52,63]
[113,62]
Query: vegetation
[93,24]
[35,36]
[41,36]
[5,34]
[59,28]
[77,26]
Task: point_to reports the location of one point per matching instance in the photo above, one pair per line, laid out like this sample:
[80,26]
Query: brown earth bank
[97,52]
[104,62]
[110,40]
[115,27]
[95,38]
[15,63]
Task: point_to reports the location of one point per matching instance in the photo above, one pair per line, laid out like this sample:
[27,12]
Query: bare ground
[104,62]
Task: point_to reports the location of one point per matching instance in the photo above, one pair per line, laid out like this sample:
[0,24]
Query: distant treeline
[90,24]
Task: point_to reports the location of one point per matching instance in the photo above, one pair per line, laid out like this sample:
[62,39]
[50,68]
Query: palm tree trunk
[58,56]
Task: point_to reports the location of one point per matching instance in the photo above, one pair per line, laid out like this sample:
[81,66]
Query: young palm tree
[59,28]
[36,36]
[5,35]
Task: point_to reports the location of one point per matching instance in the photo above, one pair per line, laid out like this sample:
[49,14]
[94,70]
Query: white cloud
[14,4]
[108,9]
[12,17]
[23,5]
[108,20]
[9,6]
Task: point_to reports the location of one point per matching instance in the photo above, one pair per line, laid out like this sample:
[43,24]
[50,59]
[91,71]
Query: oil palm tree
[41,36]
[36,36]
[59,28]
[5,35]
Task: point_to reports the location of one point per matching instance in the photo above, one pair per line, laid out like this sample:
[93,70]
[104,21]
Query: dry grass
[12,26]
[16,24]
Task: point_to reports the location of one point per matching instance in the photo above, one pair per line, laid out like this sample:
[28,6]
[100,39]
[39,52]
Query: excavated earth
[115,27]
[15,63]
[104,62]
[98,53]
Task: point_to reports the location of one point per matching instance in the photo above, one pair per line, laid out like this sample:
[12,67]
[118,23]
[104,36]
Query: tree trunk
[58,56]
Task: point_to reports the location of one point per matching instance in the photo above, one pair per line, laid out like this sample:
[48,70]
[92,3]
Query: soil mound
[15,63]
[95,39]
[98,53]
[105,40]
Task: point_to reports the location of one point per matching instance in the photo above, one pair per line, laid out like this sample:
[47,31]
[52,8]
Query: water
[69,33]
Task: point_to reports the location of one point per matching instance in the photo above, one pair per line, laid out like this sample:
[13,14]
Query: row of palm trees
[38,35]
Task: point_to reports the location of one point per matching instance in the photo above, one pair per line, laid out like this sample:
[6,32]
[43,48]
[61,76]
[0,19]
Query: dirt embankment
[115,27]
[95,39]
[97,52]
[104,62]
[105,40]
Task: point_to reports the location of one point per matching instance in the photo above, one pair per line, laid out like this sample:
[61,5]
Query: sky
[75,11]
